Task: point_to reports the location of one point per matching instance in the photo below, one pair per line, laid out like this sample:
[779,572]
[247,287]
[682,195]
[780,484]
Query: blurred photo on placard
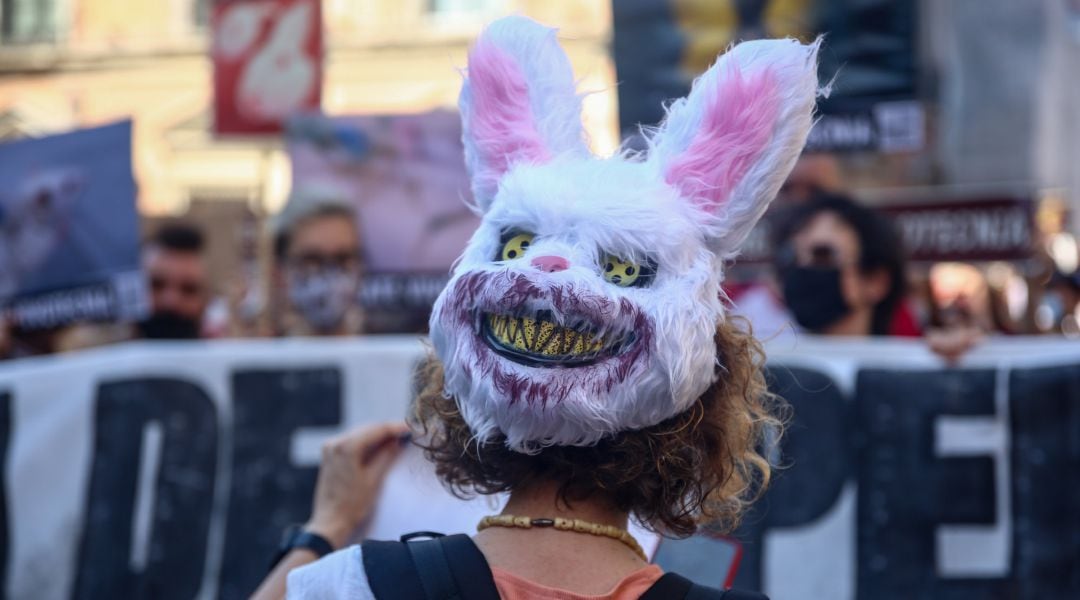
[68,229]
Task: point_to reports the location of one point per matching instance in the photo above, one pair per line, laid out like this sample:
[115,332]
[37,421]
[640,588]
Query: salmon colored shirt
[512,587]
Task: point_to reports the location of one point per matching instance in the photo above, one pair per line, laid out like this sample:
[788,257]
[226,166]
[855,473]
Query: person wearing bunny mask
[584,361]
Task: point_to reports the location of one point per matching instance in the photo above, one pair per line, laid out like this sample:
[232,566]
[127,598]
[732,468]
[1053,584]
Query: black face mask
[168,326]
[814,296]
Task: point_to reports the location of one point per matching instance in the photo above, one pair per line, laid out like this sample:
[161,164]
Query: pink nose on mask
[550,264]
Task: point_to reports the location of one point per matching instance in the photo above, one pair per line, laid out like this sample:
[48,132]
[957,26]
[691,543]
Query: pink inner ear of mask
[502,127]
[738,122]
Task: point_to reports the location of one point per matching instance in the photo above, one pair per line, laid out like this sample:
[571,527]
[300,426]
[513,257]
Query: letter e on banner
[270,492]
[925,486]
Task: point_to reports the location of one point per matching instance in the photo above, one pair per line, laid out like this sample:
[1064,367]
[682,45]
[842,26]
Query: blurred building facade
[75,63]
[996,76]
[66,64]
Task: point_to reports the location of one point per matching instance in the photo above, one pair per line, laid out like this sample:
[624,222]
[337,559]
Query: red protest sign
[267,63]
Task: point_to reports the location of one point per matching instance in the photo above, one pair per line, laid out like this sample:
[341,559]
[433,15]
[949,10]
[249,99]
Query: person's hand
[354,465]
[953,343]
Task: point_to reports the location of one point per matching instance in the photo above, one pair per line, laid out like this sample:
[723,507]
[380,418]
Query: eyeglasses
[311,262]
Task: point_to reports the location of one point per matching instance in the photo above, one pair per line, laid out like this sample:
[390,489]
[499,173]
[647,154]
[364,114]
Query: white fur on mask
[713,167]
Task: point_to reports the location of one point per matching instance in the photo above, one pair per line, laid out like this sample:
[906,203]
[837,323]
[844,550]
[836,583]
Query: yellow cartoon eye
[514,245]
[622,273]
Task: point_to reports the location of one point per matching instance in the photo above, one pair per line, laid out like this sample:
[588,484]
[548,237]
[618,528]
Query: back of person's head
[703,466]
[880,249]
[582,342]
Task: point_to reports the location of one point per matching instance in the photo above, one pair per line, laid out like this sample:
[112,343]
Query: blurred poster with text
[406,177]
[938,226]
[868,60]
[267,63]
[970,229]
[69,242]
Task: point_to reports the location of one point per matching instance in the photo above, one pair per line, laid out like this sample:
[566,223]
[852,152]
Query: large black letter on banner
[1045,411]
[817,453]
[906,492]
[268,491]
[178,423]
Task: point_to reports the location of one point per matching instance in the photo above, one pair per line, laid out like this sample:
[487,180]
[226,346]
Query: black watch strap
[297,537]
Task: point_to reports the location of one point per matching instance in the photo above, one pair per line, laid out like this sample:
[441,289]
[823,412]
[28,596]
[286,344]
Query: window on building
[28,21]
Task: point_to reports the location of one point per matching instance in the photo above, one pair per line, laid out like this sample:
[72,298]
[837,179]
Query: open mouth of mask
[538,340]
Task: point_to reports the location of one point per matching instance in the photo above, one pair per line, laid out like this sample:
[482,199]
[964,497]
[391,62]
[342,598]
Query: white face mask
[324,297]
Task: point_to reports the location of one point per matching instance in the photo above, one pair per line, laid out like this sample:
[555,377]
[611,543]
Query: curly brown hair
[704,465]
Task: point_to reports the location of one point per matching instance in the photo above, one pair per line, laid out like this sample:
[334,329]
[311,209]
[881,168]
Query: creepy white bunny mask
[587,301]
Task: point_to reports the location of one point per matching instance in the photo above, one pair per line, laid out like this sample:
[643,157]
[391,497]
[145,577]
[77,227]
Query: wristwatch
[296,536]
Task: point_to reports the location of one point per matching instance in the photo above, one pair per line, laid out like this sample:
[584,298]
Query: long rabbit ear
[518,103]
[730,144]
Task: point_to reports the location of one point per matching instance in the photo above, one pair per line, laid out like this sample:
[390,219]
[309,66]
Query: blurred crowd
[836,267]
[311,287]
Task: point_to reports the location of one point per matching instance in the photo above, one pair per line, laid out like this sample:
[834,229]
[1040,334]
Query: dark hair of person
[879,242]
[702,466]
[178,237]
[283,236]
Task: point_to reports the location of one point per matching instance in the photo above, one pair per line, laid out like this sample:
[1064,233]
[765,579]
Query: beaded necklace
[576,525]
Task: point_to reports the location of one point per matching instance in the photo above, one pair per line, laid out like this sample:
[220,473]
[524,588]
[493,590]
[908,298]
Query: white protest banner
[168,470]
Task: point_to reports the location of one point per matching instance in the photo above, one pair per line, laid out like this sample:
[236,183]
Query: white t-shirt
[339,575]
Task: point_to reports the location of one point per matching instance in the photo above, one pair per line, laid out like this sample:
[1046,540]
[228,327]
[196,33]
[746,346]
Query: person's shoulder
[336,575]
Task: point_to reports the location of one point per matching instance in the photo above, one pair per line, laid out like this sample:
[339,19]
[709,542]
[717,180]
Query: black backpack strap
[391,572]
[469,567]
[444,568]
[672,586]
[433,569]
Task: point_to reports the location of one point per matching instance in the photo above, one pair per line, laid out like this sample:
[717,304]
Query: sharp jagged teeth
[568,338]
[548,333]
[540,334]
[518,337]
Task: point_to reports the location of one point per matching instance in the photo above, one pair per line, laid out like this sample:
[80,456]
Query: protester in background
[960,296]
[1057,312]
[318,266]
[841,267]
[841,271]
[179,283]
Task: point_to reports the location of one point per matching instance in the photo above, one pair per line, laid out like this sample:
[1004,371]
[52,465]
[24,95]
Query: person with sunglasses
[318,266]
